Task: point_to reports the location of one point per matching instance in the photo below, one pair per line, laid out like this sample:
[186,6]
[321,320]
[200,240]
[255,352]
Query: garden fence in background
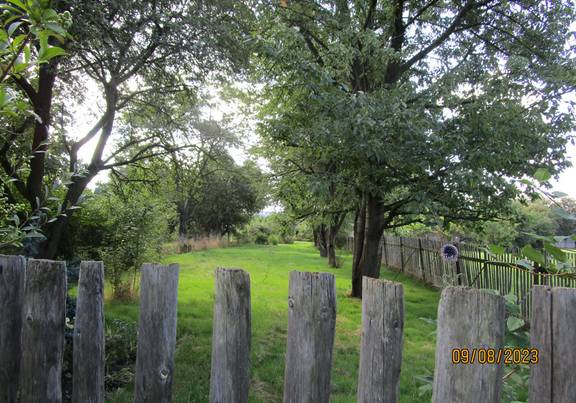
[32,322]
[420,258]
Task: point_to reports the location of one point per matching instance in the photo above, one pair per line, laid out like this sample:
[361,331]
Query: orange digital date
[507,356]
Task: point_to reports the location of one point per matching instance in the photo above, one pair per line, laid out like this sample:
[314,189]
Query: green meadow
[269,268]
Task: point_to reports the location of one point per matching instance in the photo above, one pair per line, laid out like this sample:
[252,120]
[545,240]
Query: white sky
[566,182]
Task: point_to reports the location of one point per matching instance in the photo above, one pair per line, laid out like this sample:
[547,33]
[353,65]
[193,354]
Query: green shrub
[259,232]
[120,353]
[273,229]
[122,228]
[274,239]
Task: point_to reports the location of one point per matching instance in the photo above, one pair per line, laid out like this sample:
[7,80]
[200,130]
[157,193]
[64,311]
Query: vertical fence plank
[564,333]
[12,273]
[421,260]
[43,322]
[541,338]
[88,382]
[401,255]
[156,333]
[311,324]
[381,346]
[468,318]
[230,374]
[553,379]
[384,251]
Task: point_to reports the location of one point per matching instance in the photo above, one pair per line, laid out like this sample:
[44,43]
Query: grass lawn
[269,267]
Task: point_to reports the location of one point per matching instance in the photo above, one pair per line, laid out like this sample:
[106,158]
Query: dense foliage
[540,217]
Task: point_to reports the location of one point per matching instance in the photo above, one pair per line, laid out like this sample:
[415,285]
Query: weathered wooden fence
[32,315]
[420,258]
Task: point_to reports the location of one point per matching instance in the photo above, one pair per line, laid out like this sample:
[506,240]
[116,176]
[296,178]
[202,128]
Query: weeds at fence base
[120,354]
[126,291]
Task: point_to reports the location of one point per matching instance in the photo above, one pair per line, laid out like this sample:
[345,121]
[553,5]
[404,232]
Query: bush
[123,291]
[124,228]
[120,353]
[273,229]
[274,239]
[259,233]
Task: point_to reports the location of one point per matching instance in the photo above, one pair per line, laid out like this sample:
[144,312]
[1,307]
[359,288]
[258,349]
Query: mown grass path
[269,267]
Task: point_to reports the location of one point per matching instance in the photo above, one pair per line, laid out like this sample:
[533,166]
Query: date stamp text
[506,356]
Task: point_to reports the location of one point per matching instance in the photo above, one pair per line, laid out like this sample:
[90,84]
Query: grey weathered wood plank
[230,373]
[156,333]
[468,318]
[540,389]
[88,382]
[553,379]
[564,337]
[12,274]
[381,345]
[311,324]
[43,322]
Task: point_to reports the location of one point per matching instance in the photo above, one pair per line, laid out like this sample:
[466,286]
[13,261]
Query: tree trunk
[331,250]
[322,243]
[333,228]
[183,225]
[42,102]
[54,231]
[183,217]
[49,248]
[370,260]
[359,234]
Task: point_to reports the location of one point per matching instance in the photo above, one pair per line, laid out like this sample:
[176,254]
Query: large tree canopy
[436,108]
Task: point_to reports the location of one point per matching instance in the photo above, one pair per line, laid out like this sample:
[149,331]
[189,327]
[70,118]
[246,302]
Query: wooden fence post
[401,255]
[467,319]
[384,251]
[156,333]
[12,273]
[43,322]
[458,266]
[311,324]
[88,382]
[421,258]
[381,346]
[230,374]
[553,330]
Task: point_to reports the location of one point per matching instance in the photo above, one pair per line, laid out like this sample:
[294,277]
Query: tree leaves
[542,174]
[50,52]
[556,252]
[514,323]
[533,254]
